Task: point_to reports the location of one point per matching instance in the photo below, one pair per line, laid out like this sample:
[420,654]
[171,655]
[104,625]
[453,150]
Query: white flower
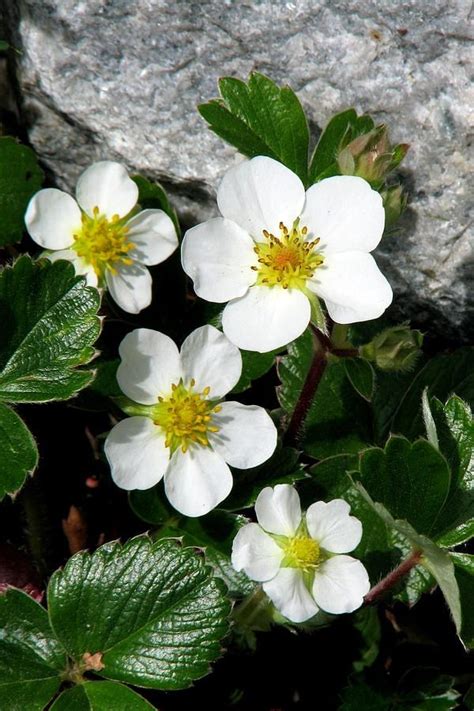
[100,237]
[298,558]
[180,431]
[276,247]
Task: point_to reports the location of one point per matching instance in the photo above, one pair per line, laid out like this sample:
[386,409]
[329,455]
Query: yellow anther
[103,243]
[302,552]
[185,416]
[288,260]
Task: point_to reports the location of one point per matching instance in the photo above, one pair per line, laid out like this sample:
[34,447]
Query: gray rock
[119,79]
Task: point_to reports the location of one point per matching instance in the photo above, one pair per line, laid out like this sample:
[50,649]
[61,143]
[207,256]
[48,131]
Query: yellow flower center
[288,260]
[302,552]
[103,242]
[185,416]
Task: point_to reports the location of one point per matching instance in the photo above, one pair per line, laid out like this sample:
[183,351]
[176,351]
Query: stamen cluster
[288,260]
[103,243]
[186,416]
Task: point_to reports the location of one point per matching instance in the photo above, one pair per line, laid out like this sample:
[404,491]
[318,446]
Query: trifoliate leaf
[144,613]
[431,695]
[100,696]
[50,325]
[412,481]
[261,119]
[31,658]
[338,420]
[20,178]
[18,451]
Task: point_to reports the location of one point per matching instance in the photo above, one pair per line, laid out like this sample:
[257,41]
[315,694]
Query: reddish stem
[308,391]
[393,577]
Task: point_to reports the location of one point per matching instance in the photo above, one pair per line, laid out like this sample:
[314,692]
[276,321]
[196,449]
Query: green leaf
[215,534]
[464,568]
[325,153]
[254,365]
[367,623]
[260,118]
[152,196]
[432,694]
[436,560]
[151,611]
[105,382]
[442,375]
[338,420]
[330,480]
[151,505]
[411,480]
[31,659]
[18,452]
[100,696]
[50,327]
[282,468]
[361,375]
[453,428]
[20,178]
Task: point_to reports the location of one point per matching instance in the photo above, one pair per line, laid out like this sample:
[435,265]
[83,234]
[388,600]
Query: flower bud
[371,156]
[395,349]
[394,202]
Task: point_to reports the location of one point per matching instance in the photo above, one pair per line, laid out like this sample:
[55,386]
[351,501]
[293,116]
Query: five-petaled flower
[297,558]
[101,233]
[180,429]
[276,249]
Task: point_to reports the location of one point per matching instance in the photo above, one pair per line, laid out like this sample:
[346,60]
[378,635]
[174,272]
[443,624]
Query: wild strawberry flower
[276,248]
[102,234]
[298,557]
[180,428]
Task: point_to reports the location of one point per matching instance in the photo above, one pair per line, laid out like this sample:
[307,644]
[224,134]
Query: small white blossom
[276,248]
[297,558]
[180,429]
[101,235]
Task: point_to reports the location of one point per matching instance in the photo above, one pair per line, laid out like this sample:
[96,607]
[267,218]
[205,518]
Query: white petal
[150,365]
[154,234]
[130,287]
[352,286]
[256,553]
[278,510]
[260,193]
[135,449]
[247,436]
[345,213]
[218,256]
[52,217]
[212,360]
[197,480]
[80,266]
[333,528]
[290,596]
[106,185]
[340,584]
[266,318]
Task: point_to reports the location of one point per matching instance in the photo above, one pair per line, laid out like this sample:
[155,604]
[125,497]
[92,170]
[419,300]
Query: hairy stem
[308,391]
[393,577]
